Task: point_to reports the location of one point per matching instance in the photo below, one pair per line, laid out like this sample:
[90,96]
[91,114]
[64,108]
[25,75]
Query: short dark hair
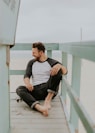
[39,45]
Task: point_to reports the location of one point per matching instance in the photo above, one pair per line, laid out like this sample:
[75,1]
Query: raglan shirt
[39,71]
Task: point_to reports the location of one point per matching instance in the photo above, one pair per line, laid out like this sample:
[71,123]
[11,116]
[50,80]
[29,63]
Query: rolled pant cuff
[52,91]
[37,102]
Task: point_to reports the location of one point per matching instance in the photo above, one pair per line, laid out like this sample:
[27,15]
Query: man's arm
[56,68]
[64,69]
[28,84]
[28,74]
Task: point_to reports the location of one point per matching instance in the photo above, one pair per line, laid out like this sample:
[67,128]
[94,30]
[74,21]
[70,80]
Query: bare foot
[45,111]
[42,109]
[47,105]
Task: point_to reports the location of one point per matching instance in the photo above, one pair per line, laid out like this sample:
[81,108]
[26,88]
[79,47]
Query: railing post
[4,90]
[49,53]
[76,74]
[63,89]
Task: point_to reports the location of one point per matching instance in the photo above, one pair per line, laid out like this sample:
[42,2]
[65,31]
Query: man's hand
[29,87]
[28,84]
[55,69]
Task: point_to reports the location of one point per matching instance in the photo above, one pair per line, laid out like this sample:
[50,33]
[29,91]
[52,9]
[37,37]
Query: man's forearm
[26,81]
[64,70]
[28,84]
[56,68]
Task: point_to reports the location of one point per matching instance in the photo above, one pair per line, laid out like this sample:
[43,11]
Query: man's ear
[41,52]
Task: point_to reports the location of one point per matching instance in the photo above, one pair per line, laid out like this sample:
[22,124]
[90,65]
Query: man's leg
[25,95]
[48,99]
[42,109]
[53,85]
[30,100]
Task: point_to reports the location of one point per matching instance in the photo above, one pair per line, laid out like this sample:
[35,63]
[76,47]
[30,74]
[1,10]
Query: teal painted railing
[78,50]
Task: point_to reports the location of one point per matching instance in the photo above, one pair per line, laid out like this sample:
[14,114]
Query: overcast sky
[56,20]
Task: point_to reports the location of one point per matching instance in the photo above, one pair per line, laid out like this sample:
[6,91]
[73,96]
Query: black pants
[40,91]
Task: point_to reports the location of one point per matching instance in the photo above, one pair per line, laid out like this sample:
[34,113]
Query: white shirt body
[40,72]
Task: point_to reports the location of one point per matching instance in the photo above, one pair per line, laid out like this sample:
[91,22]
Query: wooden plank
[37,121]
[53,130]
[26,120]
[39,125]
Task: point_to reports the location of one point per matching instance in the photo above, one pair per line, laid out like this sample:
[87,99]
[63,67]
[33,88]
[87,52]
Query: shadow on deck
[25,120]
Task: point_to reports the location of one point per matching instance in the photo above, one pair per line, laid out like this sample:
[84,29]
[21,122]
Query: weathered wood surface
[25,120]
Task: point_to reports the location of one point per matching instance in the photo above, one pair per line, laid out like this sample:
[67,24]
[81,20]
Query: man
[46,74]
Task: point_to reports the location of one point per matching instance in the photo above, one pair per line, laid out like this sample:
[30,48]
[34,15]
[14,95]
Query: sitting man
[46,74]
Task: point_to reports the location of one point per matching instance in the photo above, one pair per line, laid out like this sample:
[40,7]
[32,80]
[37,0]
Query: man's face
[36,53]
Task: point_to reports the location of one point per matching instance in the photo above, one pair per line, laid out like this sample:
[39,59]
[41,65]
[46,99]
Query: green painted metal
[80,49]
[4,90]
[28,46]
[17,72]
[52,46]
[83,115]
[22,46]
[76,74]
[64,62]
[8,21]
[49,53]
[84,50]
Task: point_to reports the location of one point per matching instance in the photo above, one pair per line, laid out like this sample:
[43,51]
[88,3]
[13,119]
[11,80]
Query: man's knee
[59,75]
[20,89]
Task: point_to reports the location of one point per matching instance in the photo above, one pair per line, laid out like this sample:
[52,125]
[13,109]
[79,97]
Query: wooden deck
[25,120]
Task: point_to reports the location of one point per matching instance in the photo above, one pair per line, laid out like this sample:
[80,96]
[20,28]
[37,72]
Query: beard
[37,58]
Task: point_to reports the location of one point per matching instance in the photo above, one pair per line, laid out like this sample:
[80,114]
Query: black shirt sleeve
[52,62]
[28,72]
